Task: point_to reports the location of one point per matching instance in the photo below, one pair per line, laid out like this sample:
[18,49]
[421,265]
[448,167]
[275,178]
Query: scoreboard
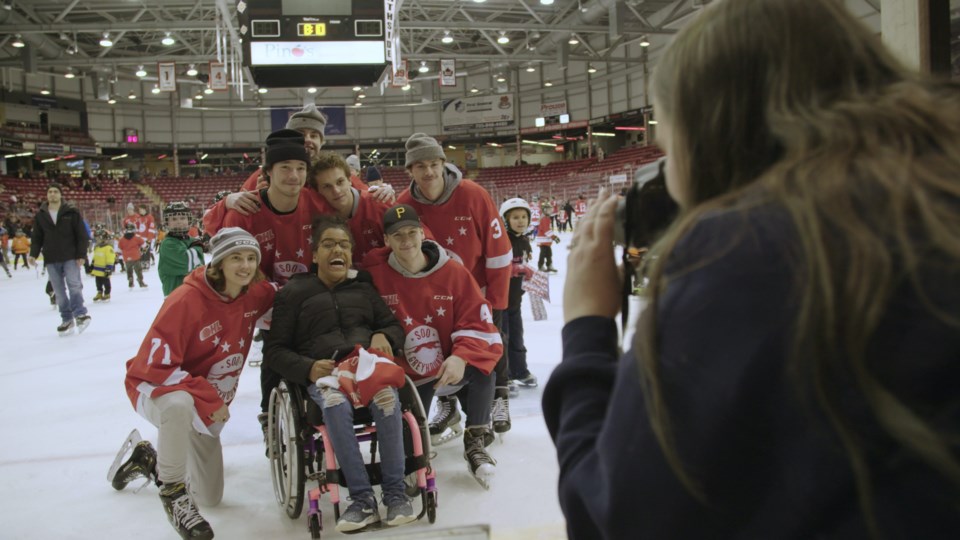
[298,43]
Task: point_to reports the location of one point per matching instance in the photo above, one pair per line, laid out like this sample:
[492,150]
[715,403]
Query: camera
[647,210]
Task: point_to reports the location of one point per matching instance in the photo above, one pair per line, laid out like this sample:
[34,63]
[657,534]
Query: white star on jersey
[441,312]
[276,254]
[300,253]
[408,321]
[268,246]
[225,347]
[216,340]
[241,343]
[449,240]
[463,231]
[428,319]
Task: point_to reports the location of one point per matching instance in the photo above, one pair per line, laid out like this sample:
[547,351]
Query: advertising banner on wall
[336,119]
[448,72]
[555,108]
[218,76]
[470,156]
[473,113]
[167,73]
[400,77]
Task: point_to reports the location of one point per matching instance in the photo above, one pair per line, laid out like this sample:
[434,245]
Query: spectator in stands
[793,373]
[465,221]
[59,233]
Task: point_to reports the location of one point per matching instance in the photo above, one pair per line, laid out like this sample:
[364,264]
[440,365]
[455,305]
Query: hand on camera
[593,283]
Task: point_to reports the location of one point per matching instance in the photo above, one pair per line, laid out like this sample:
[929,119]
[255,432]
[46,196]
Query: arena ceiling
[62,35]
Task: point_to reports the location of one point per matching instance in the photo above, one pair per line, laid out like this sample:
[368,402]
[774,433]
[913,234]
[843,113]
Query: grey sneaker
[359,514]
[399,511]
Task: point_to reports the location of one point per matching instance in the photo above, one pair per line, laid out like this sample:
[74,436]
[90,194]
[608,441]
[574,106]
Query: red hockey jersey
[213,218]
[442,312]
[468,225]
[284,239]
[366,226]
[545,236]
[198,343]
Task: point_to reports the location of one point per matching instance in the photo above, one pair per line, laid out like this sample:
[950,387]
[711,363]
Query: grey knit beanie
[353,161]
[229,240]
[309,118]
[422,147]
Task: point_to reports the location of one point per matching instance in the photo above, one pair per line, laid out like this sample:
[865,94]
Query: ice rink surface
[65,415]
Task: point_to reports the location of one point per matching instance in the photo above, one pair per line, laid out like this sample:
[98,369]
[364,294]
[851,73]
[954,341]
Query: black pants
[502,368]
[513,343]
[16,258]
[269,379]
[546,255]
[476,397]
[103,284]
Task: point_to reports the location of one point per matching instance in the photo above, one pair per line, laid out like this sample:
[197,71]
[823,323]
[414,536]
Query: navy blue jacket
[67,240]
[770,466]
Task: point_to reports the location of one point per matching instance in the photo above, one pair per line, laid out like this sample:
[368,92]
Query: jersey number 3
[497,230]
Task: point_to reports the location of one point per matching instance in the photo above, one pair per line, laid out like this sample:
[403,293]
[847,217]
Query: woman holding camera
[794,374]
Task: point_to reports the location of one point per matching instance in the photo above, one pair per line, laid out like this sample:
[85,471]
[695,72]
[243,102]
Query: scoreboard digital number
[312,29]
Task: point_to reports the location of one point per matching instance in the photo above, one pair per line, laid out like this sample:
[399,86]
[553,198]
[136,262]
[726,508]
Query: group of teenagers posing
[324,266]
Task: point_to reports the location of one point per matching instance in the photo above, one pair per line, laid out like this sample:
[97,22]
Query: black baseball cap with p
[399,216]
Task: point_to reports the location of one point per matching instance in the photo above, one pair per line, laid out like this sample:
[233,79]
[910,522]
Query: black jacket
[64,241]
[312,322]
[521,252]
[769,464]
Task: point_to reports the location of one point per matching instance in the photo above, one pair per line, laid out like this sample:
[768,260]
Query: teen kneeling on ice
[319,318]
[183,380]
[451,342]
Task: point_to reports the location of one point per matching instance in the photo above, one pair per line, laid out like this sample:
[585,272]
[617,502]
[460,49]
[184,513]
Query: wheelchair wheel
[315,526]
[284,425]
[432,506]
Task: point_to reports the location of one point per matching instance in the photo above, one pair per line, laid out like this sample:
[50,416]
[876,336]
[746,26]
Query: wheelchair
[300,451]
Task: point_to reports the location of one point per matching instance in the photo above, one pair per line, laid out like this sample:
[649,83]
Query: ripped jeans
[338,417]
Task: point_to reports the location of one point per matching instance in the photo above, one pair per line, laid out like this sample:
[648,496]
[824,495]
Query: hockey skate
[183,514]
[527,381]
[142,463]
[445,426]
[481,466]
[66,328]
[513,389]
[83,321]
[501,411]
[98,297]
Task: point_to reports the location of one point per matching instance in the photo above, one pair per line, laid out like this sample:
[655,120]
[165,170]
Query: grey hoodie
[451,179]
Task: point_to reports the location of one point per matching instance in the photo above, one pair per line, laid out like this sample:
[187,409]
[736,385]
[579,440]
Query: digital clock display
[312,29]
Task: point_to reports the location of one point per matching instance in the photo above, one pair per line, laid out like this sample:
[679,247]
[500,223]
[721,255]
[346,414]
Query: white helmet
[513,204]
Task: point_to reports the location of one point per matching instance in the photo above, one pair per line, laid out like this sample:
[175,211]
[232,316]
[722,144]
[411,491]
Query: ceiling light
[312,90]
[603,134]
[573,40]
[45,91]
[451,147]
[105,40]
[156,89]
[446,37]
[69,74]
[167,40]
[474,90]
[198,96]
[208,90]
[192,72]
[357,104]
[141,72]
[18,42]
[203,157]
[501,78]
[503,39]
[361,95]
[357,89]
[479,1]
[652,122]
[591,69]
[121,156]
[548,83]
[262,90]
[423,67]
[132,95]
[546,2]
[644,42]
[405,87]
[112,100]
[531,69]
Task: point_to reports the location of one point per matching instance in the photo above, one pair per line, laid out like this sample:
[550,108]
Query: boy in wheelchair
[318,318]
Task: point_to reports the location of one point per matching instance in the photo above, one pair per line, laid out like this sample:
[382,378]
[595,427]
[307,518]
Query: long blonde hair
[862,155]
